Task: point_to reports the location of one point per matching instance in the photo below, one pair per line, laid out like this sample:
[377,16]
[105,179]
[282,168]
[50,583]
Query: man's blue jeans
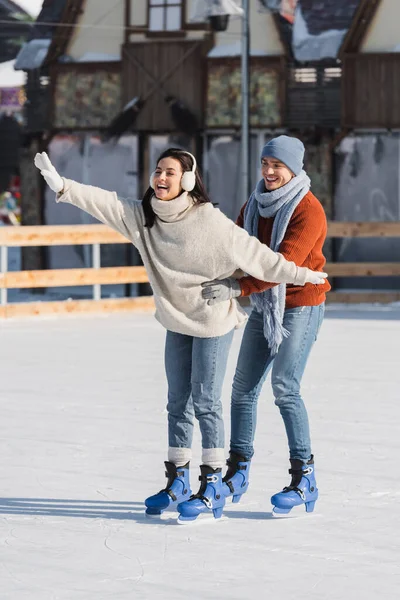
[195,369]
[254,364]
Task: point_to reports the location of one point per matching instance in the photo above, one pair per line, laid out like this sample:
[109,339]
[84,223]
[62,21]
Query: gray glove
[220,290]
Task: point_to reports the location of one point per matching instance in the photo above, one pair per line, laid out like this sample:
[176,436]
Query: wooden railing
[341,229]
[65,235]
[97,276]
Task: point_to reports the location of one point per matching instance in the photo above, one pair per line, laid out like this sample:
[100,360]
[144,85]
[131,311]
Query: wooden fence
[97,276]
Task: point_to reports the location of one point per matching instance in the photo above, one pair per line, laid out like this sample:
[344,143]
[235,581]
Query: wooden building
[371,63]
[103,58]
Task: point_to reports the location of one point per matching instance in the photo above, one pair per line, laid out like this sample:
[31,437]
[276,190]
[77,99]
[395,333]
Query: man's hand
[220,290]
[53,179]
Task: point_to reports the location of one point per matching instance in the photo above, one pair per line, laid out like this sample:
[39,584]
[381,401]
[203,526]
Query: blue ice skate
[236,480]
[176,490]
[302,489]
[208,499]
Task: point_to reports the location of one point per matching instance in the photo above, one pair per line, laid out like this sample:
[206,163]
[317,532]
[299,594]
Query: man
[285,215]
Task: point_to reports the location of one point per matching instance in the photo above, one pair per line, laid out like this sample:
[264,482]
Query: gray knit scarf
[280,204]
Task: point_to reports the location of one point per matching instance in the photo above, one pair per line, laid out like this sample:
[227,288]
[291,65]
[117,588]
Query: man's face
[275,173]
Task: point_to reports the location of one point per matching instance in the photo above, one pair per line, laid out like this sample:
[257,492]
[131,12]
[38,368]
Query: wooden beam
[64,277]
[146,304]
[65,30]
[361,22]
[370,229]
[121,275]
[362,269]
[64,235]
[287,48]
[127,20]
[109,305]
[59,235]
[362,297]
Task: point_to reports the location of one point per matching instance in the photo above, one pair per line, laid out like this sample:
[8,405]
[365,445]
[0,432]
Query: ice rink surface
[83,440]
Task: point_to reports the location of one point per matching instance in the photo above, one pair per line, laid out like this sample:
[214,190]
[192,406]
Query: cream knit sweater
[188,245]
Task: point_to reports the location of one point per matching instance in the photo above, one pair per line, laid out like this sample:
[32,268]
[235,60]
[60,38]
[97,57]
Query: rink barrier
[66,235]
[96,276]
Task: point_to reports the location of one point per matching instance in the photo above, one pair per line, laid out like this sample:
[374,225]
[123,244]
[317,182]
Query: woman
[183,241]
[284,214]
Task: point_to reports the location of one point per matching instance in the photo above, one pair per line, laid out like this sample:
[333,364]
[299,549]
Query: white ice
[83,440]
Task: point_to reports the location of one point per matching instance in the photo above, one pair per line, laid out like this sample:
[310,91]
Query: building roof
[51,12]
[324,15]
[50,34]
[8,6]
[320,27]
[313,30]
[32,55]
[14,29]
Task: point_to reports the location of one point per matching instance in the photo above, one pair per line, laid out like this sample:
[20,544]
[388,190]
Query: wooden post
[32,192]
[3,271]
[144,289]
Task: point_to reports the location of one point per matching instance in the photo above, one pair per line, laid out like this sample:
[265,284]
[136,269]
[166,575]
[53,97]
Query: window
[165,15]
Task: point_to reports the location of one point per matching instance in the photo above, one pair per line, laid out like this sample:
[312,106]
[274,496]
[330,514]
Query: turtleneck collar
[172,210]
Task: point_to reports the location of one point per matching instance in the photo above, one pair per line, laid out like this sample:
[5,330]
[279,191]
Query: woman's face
[275,173]
[167,179]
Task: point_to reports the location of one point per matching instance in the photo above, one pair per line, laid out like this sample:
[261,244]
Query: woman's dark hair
[198,193]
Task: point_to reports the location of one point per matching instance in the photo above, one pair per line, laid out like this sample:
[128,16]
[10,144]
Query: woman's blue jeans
[288,365]
[195,369]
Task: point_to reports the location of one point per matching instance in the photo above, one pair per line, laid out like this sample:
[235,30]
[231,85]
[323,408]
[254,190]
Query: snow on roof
[324,15]
[234,49]
[32,55]
[314,47]
[319,26]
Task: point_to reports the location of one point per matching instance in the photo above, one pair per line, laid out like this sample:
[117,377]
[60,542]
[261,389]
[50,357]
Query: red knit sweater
[303,242]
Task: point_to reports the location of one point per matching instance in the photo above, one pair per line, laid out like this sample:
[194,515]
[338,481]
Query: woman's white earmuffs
[188,180]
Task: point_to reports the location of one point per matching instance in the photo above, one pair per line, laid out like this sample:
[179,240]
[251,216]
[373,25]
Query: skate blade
[282,515]
[204,519]
[295,514]
[170,511]
[164,516]
[153,517]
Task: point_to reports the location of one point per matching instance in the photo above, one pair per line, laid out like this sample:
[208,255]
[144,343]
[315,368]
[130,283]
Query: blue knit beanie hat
[288,150]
